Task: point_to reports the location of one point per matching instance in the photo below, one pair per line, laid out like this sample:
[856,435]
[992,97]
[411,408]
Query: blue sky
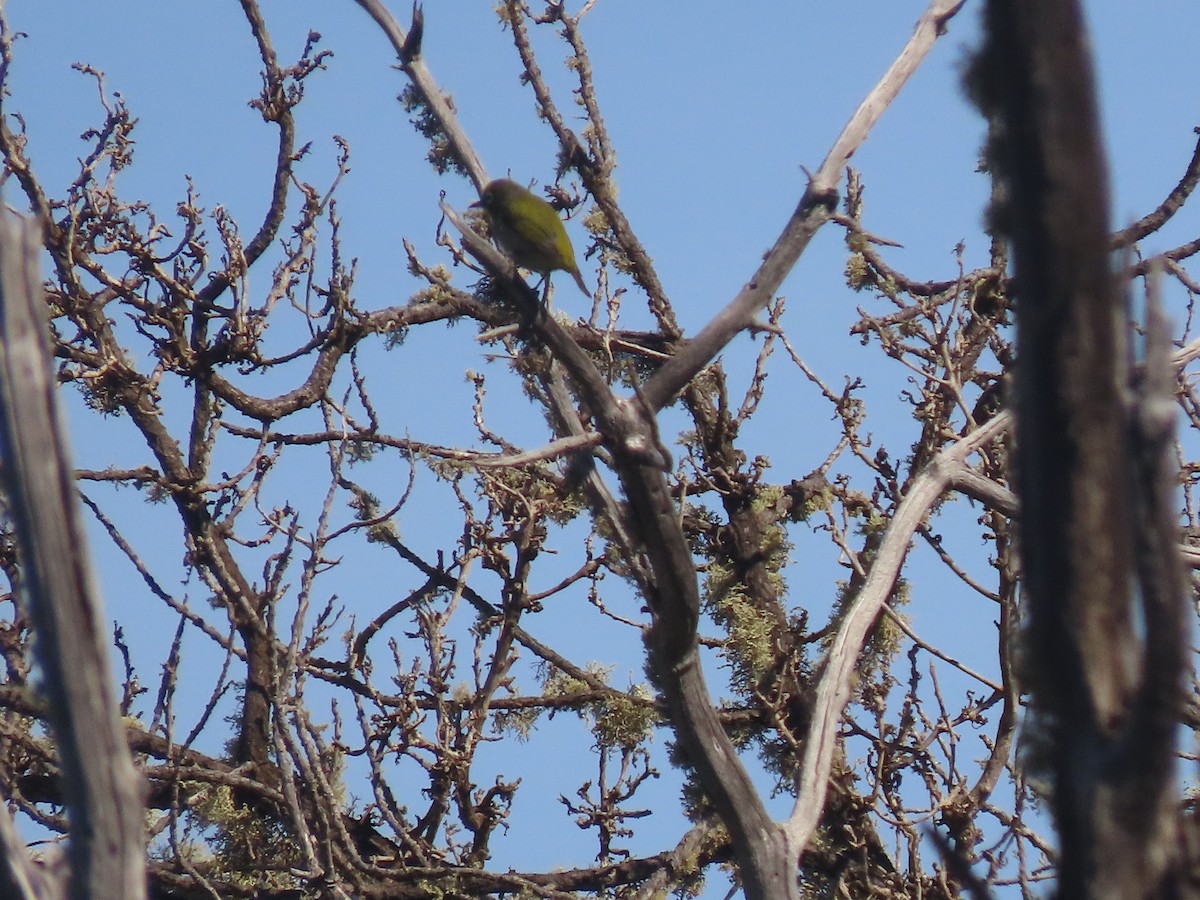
[714,115]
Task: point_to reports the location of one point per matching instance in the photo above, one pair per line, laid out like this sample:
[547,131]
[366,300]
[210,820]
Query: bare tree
[357,760]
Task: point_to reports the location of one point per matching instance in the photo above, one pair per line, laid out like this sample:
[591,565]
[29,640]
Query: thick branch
[107,842]
[816,206]
[1101,570]
[408,52]
[834,690]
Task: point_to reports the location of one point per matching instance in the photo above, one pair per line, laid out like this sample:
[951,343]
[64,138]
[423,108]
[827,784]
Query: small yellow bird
[529,230]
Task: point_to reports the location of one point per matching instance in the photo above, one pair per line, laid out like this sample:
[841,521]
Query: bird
[529,230]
